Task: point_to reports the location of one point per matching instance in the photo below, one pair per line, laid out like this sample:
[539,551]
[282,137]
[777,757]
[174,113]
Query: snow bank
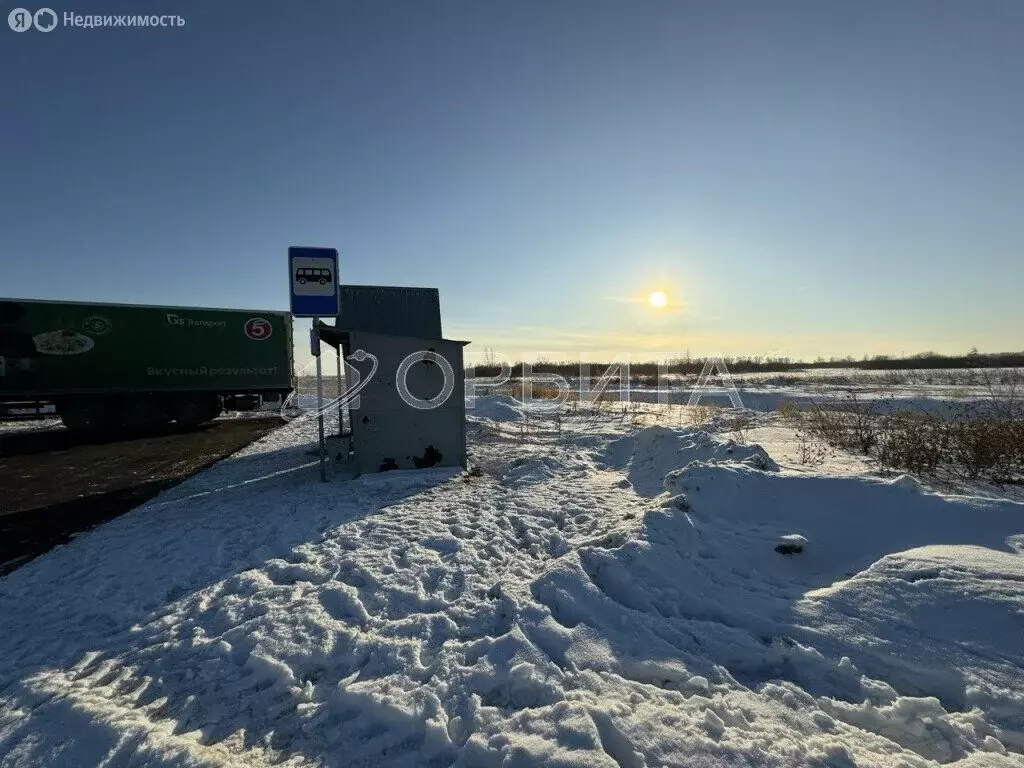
[496,408]
[653,452]
[10,426]
[942,621]
[575,608]
[702,585]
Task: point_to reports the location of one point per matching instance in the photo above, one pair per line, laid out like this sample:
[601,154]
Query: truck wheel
[84,413]
[241,402]
[190,410]
[140,413]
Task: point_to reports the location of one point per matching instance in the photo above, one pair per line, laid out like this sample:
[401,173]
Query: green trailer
[134,366]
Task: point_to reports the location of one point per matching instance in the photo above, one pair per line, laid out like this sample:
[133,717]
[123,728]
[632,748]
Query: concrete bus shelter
[410,410]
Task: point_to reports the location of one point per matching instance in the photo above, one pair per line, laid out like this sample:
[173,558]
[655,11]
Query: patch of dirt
[57,483]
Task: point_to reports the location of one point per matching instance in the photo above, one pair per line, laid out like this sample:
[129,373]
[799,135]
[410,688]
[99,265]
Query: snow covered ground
[943,401]
[943,392]
[28,425]
[604,591]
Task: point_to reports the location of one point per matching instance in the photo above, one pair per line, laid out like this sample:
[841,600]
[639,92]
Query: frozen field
[604,591]
[942,392]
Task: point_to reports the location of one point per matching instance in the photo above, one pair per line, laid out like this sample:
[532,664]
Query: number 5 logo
[257,328]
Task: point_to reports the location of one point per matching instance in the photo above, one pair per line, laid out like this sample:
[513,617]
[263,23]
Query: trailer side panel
[50,349]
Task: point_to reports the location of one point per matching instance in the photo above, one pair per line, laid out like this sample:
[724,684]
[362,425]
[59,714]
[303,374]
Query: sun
[657,299]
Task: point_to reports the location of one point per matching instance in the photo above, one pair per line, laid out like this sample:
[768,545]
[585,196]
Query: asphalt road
[54,483]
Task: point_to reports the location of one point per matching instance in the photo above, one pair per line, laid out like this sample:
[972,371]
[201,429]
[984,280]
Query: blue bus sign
[313,276]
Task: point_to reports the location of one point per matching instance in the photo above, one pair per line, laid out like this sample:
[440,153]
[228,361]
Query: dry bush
[702,414]
[635,412]
[538,390]
[810,452]
[788,409]
[975,448]
[847,423]
[991,443]
[791,413]
[826,424]
[976,441]
[544,391]
[511,389]
[989,447]
[916,442]
[735,423]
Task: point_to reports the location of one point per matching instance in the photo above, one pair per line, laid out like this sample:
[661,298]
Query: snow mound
[530,470]
[921,725]
[791,544]
[497,408]
[699,598]
[654,452]
[1016,543]
[853,521]
[909,483]
[942,620]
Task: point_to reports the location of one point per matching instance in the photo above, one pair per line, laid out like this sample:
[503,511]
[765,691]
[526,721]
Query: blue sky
[800,179]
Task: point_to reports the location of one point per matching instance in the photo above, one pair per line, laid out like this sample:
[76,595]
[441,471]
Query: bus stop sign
[313,276]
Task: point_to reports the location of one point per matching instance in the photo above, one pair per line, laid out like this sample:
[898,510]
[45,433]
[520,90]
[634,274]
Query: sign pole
[313,277]
[320,403]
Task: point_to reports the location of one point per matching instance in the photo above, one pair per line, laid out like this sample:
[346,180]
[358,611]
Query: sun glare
[657,299]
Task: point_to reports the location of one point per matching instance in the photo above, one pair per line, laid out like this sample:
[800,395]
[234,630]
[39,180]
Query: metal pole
[341,408]
[320,404]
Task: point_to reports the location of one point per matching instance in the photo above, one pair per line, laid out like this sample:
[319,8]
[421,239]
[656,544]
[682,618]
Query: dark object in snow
[791,544]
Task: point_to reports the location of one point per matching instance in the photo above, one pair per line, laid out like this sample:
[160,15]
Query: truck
[130,366]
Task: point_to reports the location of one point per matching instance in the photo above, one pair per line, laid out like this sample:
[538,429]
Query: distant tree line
[693,365]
